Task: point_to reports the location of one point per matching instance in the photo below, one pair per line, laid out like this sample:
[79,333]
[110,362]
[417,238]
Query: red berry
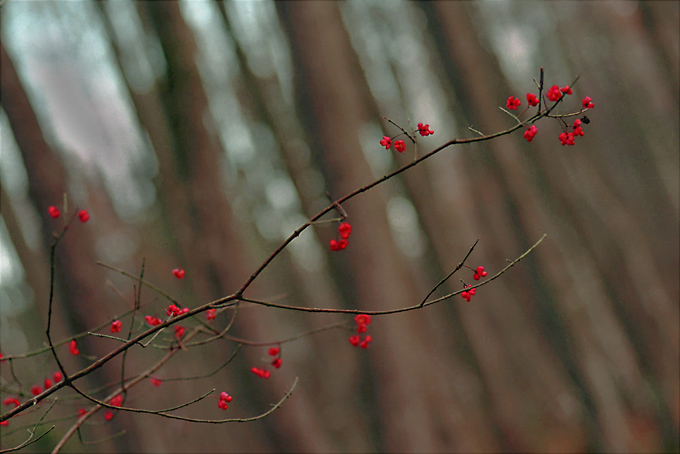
[53,211]
[530,133]
[82,411]
[211,314]
[57,376]
[35,390]
[108,415]
[424,130]
[222,404]
[513,103]
[386,142]
[345,229]
[153,321]
[338,245]
[116,401]
[354,340]
[277,363]
[362,319]
[586,103]
[479,272]
[73,348]
[399,145]
[83,215]
[12,400]
[566,90]
[155,381]
[532,99]
[179,274]
[566,138]
[48,383]
[179,332]
[260,372]
[116,326]
[554,93]
[273,351]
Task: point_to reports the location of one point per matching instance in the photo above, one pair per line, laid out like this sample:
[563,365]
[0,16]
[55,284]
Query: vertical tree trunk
[331,96]
[79,281]
[212,244]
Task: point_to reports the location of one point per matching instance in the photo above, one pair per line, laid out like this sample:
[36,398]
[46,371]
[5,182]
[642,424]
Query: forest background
[200,134]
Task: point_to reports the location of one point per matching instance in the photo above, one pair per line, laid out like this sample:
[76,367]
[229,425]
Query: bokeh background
[200,134]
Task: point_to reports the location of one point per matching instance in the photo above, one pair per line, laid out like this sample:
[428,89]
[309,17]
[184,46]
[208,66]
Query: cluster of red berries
[344,231]
[53,211]
[260,372]
[174,311]
[276,351]
[468,294]
[567,138]
[424,130]
[479,272]
[276,363]
[211,314]
[554,94]
[179,274]
[224,400]
[399,145]
[362,321]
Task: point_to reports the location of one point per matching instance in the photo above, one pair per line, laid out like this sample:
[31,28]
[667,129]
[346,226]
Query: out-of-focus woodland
[199,135]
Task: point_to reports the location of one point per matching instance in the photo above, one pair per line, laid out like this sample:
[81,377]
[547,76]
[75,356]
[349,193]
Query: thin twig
[392,311]
[460,265]
[31,433]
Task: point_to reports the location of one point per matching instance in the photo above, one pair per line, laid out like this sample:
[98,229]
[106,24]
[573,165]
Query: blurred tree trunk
[481,192]
[212,243]
[78,280]
[529,202]
[262,98]
[329,83]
